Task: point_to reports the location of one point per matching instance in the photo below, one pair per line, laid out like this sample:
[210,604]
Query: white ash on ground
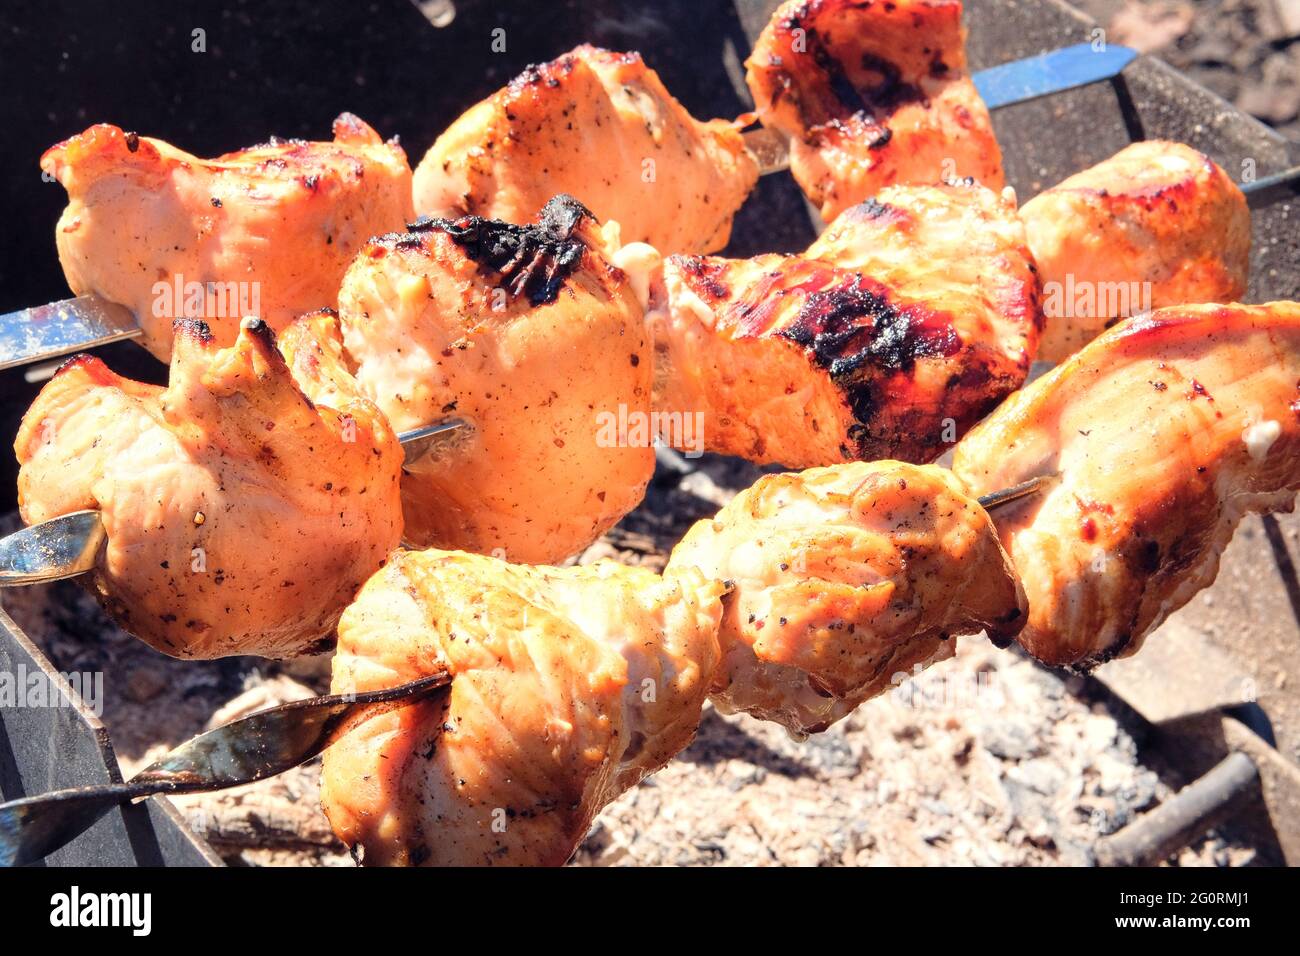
[986,759]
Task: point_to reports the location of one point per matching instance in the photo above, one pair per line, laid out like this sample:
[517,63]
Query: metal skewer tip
[244,751]
[1005,496]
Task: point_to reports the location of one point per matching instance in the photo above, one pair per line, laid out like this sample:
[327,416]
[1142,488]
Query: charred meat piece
[529,335]
[910,319]
[1166,431]
[872,94]
[600,126]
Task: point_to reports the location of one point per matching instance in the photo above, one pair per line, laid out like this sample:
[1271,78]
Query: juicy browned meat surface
[241,516]
[530,336]
[266,231]
[1157,224]
[600,126]
[843,579]
[569,686]
[797,602]
[905,323]
[872,94]
[1165,431]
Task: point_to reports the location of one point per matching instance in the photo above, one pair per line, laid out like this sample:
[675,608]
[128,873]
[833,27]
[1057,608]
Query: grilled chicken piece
[570,685]
[529,335]
[600,126]
[843,578]
[1165,430]
[872,94]
[911,318]
[1157,224]
[267,230]
[241,517]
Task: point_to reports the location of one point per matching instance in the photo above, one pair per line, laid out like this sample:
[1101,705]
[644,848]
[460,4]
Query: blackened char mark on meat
[533,260]
[891,92]
[707,273]
[848,95]
[863,339]
[868,103]
[856,326]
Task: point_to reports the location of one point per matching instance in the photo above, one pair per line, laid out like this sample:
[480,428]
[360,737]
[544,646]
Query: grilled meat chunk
[600,126]
[905,323]
[241,516]
[267,230]
[802,598]
[1166,431]
[529,335]
[844,578]
[872,94]
[569,686]
[1157,224]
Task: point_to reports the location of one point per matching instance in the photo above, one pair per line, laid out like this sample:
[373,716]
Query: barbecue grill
[406,74]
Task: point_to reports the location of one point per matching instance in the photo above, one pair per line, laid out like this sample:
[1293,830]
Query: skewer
[246,750]
[241,752]
[49,331]
[996,499]
[1271,189]
[1017,82]
[45,332]
[69,545]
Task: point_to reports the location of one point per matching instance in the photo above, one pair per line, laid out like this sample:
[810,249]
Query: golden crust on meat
[1166,431]
[600,126]
[1157,224]
[569,685]
[532,338]
[843,578]
[241,517]
[267,230]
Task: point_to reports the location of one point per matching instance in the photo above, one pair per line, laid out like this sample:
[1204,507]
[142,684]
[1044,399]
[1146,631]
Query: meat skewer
[667,179]
[49,331]
[907,321]
[569,685]
[241,752]
[247,750]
